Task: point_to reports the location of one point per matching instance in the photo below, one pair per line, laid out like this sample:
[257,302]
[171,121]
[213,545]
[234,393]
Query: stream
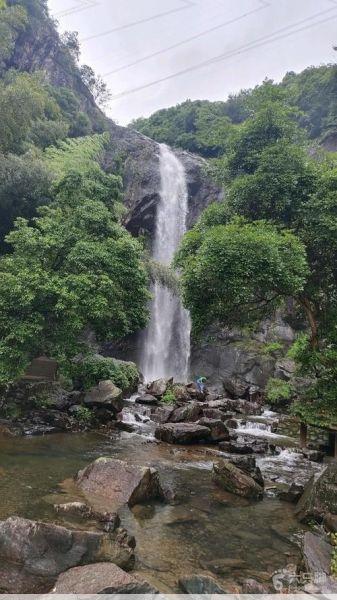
[208,532]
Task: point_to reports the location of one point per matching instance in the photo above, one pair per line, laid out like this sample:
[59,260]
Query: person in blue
[201,381]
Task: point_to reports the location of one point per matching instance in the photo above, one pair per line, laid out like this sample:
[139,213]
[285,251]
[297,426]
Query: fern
[78,154]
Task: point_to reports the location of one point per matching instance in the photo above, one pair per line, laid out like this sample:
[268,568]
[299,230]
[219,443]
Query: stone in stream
[112,483]
[248,465]
[100,578]
[189,413]
[317,555]
[158,388]
[219,431]
[319,496]
[293,493]
[147,399]
[182,433]
[33,554]
[161,414]
[214,413]
[234,480]
[79,510]
[242,446]
[105,394]
[200,584]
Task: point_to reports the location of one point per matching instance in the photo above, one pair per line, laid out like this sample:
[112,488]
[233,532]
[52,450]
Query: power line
[263,6]
[187,4]
[242,49]
[83,5]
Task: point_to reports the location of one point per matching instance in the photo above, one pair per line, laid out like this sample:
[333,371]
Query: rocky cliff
[39,48]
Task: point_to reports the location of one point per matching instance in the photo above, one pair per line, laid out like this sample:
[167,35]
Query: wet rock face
[232,479]
[117,483]
[319,496]
[147,399]
[33,554]
[158,388]
[182,433]
[100,578]
[235,361]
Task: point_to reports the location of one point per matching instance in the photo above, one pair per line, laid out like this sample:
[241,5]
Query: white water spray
[166,342]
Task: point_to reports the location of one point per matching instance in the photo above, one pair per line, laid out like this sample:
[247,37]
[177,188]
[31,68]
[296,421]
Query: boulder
[313,455]
[80,511]
[33,554]
[105,394]
[147,399]
[319,496]
[189,413]
[285,369]
[100,578]
[219,431]
[161,414]
[114,483]
[293,493]
[248,465]
[200,584]
[182,433]
[244,447]
[234,480]
[330,522]
[158,388]
[220,404]
[235,387]
[317,555]
[214,413]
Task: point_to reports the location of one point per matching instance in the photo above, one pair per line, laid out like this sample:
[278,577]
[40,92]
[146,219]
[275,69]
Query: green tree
[74,268]
[239,272]
[25,184]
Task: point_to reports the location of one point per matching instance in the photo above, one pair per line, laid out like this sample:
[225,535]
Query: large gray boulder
[100,578]
[112,483]
[189,413]
[182,433]
[319,496]
[106,394]
[33,554]
[219,431]
[158,388]
[232,479]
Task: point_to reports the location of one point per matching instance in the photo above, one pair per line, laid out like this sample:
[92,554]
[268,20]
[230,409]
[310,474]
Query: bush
[169,397]
[277,389]
[94,368]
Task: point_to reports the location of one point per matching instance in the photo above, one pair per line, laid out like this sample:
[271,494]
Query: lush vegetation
[273,237]
[89,370]
[204,127]
[67,265]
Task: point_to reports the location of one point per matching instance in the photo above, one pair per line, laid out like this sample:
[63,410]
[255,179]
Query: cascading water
[166,342]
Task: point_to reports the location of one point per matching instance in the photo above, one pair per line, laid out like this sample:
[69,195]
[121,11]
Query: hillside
[202,126]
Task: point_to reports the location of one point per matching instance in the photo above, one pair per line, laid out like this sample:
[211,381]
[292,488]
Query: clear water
[166,342]
[199,535]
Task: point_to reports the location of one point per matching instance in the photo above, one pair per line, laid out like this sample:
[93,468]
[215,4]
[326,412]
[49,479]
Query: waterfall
[166,342]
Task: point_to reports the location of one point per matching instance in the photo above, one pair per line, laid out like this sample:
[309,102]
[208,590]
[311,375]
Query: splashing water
[166,342]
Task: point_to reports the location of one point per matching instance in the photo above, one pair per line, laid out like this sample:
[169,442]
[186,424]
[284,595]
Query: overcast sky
[156,53]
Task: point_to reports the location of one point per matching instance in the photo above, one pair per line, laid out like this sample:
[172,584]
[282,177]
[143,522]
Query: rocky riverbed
[215,512]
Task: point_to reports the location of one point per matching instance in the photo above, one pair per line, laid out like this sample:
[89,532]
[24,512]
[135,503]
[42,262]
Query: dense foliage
[274,236]
[203,127]
[89,370]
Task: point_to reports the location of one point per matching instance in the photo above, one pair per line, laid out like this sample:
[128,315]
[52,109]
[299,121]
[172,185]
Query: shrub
[169,397]
[94,368]
[277,389]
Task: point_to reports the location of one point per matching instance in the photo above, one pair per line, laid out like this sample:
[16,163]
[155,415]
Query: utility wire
[83,5]
[263,6]
[277,35]
[187,4]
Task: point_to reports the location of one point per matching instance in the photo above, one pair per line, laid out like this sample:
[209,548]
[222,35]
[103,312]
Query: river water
[208,532]
[165,348]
